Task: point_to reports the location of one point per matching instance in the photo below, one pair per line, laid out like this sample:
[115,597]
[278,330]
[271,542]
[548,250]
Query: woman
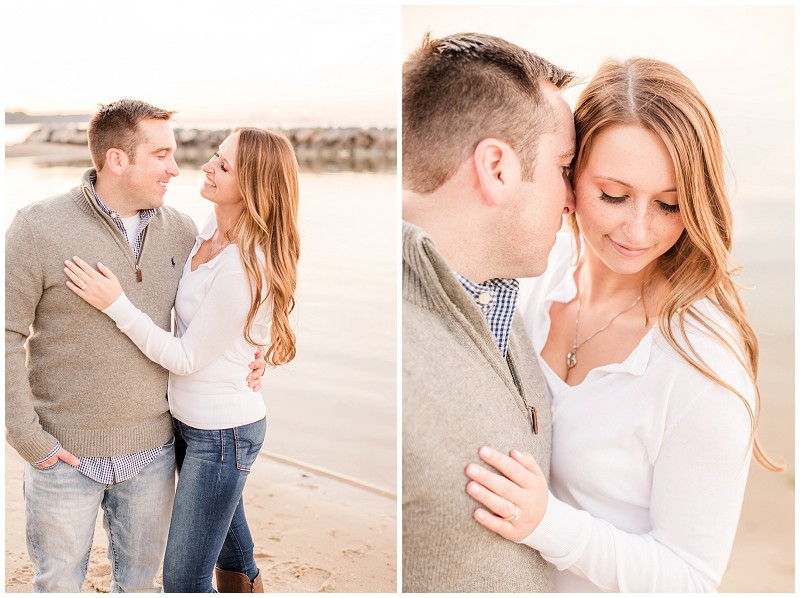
[236,292]
[648,355]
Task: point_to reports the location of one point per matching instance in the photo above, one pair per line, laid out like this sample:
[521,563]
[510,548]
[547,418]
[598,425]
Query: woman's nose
[635,226]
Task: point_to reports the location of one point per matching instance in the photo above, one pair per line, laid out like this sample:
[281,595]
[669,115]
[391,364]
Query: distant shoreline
[23,118]
[317,148]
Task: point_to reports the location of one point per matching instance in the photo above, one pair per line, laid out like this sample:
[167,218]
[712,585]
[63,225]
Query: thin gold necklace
[572,356]
[213,255]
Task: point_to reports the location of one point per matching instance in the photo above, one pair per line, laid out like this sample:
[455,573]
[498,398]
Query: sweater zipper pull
[534,420]
[138,273]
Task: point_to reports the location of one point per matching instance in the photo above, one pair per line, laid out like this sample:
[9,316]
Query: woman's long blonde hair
[660,98]
[266,168]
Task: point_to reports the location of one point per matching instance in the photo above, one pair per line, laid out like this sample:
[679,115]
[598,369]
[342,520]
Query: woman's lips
[626,250]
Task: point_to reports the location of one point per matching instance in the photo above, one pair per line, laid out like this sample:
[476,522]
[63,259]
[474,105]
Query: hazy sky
[741,58]
[224,60]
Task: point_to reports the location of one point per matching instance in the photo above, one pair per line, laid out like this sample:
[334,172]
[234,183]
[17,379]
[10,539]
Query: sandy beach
[763,558]
[313,533]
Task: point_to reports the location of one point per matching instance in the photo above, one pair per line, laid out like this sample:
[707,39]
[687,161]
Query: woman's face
[221,185]
[626,201]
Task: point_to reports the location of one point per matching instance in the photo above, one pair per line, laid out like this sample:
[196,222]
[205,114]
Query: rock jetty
[326,149]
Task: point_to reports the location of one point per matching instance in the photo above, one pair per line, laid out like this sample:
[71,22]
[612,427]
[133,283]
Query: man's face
[146,175]
[536,207]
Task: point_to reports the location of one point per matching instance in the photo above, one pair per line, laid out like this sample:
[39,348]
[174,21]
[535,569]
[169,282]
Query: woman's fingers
[512,514]
[79,272]
[496,504]
[76,289]
[498,484]
[519,489]
[515,500]
[257,368]
[515,471]
[527,461]
[98,289]
[84,266]
[106,271]
[75,278]
[496,524]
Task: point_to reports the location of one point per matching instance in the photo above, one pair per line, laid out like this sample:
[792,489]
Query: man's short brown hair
[116,125]
[463,88]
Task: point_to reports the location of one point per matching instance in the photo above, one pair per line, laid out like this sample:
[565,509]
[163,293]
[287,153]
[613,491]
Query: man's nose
[172,167]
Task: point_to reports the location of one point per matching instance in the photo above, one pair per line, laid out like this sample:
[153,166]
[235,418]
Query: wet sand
[313,533]
[764,550]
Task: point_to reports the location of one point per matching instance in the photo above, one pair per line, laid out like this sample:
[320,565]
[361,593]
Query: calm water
[334,406]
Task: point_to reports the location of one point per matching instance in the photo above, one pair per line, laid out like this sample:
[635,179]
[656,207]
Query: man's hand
[258,368]
[64,455]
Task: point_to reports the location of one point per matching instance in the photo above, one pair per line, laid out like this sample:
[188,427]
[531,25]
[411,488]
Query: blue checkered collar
[497,300]
[144,218]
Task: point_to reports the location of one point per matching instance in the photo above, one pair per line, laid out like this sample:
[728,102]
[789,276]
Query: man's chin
[155,203]
[532,269]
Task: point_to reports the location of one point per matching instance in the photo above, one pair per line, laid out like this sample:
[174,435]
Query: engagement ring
[515,516]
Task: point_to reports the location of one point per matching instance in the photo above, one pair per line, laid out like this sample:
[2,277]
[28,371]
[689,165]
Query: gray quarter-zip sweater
[459,394]
[71,375]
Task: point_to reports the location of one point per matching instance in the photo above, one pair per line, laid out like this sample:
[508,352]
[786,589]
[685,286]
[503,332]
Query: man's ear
[116,160]
[492,159]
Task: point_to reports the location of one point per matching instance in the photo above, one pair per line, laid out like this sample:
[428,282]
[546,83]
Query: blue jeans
[61,507]
[208,524]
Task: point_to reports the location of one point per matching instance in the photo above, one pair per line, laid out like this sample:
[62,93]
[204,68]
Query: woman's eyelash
[668,208]
[221,166]
[611,199]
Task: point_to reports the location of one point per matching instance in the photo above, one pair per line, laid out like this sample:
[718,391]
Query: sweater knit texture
[460,394]
[71,375]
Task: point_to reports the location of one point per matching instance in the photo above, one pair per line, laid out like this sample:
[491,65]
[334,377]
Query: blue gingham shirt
[110,470]
[144,219]
[497,300]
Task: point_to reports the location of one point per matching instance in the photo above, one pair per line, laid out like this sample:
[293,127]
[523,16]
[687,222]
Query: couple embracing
[102,400]
[589,427]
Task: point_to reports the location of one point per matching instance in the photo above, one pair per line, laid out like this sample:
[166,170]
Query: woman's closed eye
[611,198]
[669,208]
[666,207]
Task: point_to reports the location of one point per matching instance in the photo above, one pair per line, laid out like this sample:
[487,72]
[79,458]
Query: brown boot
[229,582]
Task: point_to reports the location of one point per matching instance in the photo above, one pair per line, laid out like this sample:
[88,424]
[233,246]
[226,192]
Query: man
[487,143]
[84,406]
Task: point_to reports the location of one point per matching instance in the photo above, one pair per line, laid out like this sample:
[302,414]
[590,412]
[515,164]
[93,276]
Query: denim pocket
[48,468]
[248,440]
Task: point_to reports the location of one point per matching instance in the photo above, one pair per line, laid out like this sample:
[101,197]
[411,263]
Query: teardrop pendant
[572,359]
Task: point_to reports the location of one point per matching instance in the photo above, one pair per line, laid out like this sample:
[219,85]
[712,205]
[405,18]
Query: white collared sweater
[650,457]
[208,356]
